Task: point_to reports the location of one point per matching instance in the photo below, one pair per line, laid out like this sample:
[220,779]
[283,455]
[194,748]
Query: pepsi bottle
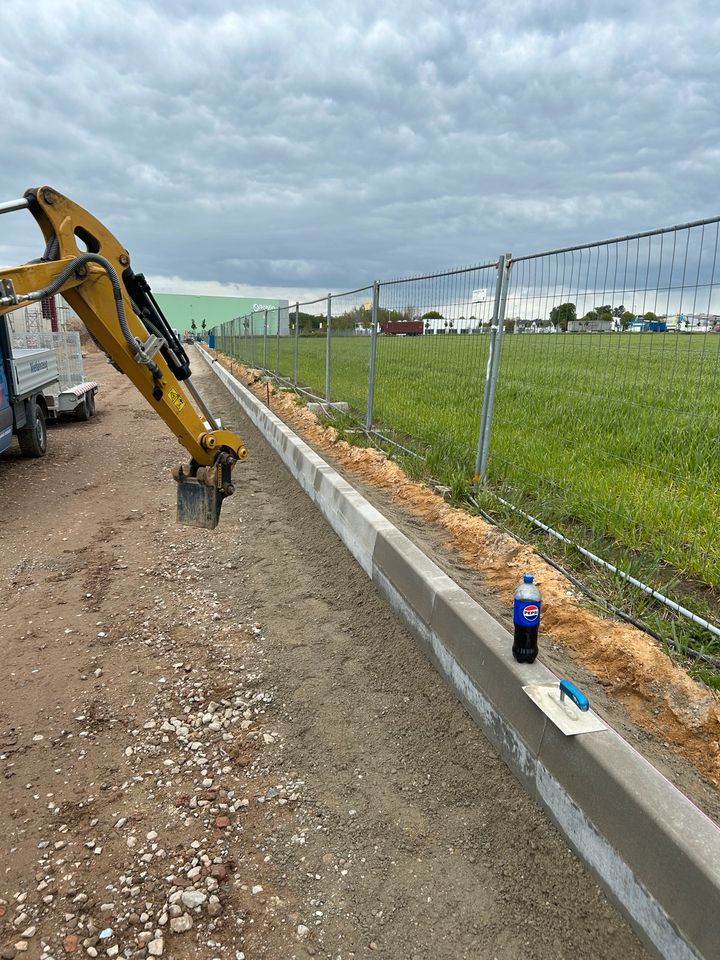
[526,620]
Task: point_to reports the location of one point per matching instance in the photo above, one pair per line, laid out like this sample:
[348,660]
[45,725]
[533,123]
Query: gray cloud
[289,145]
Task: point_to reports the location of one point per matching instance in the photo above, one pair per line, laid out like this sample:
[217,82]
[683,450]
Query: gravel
[252,761]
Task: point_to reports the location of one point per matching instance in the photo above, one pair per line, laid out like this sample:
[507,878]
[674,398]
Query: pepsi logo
[531,611]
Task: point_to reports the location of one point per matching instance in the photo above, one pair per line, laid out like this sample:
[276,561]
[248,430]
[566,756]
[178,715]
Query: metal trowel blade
[564,714]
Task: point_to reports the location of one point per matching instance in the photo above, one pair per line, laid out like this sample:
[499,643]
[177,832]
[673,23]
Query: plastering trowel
[566,706]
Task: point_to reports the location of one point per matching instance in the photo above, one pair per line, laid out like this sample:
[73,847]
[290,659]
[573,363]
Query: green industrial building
[182,308]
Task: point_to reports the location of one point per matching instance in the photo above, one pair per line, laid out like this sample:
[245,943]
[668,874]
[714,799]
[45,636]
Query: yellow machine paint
[152,358]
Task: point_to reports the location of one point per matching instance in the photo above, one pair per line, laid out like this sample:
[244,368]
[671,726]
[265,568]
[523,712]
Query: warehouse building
[182,309]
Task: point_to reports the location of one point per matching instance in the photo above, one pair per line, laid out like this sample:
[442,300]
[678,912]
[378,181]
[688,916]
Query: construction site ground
[224,744]
[672,719]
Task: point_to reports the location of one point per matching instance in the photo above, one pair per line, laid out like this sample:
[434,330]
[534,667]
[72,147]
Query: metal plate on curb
[563,713]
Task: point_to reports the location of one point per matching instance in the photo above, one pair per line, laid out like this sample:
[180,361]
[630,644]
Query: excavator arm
[88,266]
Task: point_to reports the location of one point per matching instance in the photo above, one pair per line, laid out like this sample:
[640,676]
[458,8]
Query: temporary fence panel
[607,433]
[311,346]
[581,385]
[431,359]
[349,344]
[285,343]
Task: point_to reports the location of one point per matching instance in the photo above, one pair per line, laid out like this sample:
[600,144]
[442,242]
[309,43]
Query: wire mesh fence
[309,368]
[349,348]
[614,437]
[431,359]
[581,385]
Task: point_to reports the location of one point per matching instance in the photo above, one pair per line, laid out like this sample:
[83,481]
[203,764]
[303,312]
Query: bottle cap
[527,578]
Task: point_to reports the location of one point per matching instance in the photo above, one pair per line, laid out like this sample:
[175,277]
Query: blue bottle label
[526,613]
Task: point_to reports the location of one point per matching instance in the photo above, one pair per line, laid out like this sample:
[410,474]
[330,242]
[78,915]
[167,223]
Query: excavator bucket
[201,491]
[198,505]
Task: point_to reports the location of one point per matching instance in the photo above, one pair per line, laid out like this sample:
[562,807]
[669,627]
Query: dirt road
[224,745]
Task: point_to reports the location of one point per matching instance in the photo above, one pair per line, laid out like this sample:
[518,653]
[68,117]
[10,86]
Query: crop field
[610,437]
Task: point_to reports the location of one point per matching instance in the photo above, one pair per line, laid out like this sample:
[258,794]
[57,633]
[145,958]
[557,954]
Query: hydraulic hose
[65,274]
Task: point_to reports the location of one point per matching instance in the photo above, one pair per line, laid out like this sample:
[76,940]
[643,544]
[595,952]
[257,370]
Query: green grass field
[612,438]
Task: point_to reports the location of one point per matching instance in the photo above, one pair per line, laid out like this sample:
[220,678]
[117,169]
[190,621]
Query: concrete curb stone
[656,854]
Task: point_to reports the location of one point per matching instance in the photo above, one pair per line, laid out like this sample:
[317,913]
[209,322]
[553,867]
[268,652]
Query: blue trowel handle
[577,696]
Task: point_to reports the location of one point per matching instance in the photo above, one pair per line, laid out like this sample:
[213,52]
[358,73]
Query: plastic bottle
[526,619]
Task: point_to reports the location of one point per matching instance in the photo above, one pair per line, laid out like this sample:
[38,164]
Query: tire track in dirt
[237,715]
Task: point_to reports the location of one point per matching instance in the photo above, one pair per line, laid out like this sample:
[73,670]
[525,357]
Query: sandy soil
[636,686]
[224,745]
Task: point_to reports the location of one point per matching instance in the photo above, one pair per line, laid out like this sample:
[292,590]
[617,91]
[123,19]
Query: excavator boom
[88,266]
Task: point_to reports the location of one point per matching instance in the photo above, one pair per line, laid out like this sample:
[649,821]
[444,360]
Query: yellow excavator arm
[85,263]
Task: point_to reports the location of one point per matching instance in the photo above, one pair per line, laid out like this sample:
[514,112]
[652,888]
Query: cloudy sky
[297,147]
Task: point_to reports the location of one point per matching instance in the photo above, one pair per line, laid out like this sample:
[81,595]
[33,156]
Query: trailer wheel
[33,437]
[91,402]
[82,410]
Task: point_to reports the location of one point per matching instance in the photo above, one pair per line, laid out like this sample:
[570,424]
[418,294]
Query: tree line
[565,313]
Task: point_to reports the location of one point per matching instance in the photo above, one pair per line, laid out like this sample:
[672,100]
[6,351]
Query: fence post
[277,341]
[295,352]
[327,348]
[373,351]
[493,366]
[265,366]
[252,336]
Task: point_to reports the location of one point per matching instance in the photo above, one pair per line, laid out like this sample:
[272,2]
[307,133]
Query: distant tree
[203,323]
[563,314]
[649,316]
[347,320]
[193,325]
[626,318]
[618,311]
[432,315]
[308,322]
